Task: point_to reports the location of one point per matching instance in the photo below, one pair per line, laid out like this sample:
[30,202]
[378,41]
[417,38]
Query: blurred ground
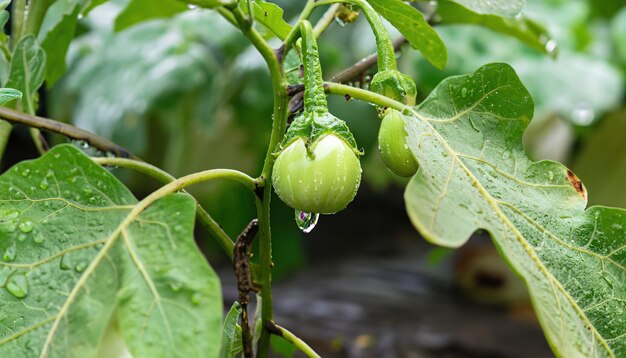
[372,291]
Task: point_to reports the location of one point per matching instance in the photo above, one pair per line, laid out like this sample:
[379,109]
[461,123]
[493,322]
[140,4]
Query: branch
[245,284]
[66,130]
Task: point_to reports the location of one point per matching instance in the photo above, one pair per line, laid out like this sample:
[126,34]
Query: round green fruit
[324,182]
[393,147]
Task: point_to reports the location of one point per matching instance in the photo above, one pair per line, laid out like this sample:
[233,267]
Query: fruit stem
[314,96]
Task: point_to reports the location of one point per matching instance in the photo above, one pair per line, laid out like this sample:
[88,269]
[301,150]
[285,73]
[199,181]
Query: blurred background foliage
[186,92]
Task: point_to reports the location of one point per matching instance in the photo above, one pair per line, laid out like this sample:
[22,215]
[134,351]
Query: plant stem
[264,192]
[364,95]
[66,130]
[326,19]
[294,340]
[18,18]
[206,220]
[36,12]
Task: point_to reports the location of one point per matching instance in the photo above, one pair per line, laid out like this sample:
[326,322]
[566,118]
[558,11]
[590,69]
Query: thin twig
[66,130]
[277,330]
[245,284]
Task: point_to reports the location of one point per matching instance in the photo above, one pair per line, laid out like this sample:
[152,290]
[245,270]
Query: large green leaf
[412,24]
[520,27]
[496,7]
[618,32]
[56,34]
[474,175]
[26,73]
[76,257]
[141,10]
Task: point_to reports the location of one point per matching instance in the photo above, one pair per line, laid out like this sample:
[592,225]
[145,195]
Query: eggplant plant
[86,264]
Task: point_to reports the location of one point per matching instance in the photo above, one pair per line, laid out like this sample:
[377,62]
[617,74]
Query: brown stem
[66,130]
[241,263]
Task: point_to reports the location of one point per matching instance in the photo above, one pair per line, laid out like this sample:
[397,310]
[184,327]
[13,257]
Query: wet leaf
[141,10]
[520,27]
[496,7]
[9,94]
[26,73]
[56,34]
[80,259]
[412,24]
[271,16]
[231,340]
[474,175]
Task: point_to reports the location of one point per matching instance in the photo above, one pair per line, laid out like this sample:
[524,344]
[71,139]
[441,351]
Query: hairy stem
[205,218]
[364,95]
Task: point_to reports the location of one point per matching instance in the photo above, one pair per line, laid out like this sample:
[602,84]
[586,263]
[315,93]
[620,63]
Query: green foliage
[26,73]
[76,256]
[9,94]
[412,24]
[141,10]
[88,271]
[56,34]
[496,7]
[271,16]
[474,175]
[231,333]
[520,27]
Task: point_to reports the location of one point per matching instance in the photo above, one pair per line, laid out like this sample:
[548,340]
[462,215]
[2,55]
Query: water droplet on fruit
[306,221]
[26,226]
[17,285]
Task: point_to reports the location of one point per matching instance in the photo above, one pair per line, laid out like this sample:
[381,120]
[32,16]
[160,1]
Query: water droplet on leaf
[17,285]
[10,253]
[306,221]
[195,298]
[26,226]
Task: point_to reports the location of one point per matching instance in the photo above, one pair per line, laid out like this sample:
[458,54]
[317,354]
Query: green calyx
[315,122]
[311,127]
[395,85]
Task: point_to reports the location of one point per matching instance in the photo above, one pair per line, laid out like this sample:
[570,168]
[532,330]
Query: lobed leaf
[474,175]
[76,257]
[412,24]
